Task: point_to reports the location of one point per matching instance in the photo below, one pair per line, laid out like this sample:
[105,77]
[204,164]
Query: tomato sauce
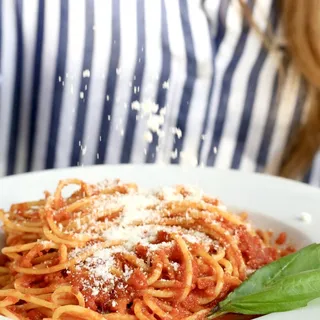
[254,252]
[35,315]
[282,238]
[138,281]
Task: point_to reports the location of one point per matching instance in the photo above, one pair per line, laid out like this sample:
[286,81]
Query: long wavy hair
[300,20]
[301,23]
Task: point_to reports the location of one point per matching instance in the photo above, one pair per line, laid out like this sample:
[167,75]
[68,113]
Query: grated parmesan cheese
[195,193]
[171,194]
[132,208]
[175,266]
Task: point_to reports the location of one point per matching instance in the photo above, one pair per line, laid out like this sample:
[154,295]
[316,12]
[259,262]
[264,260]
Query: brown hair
[301,25]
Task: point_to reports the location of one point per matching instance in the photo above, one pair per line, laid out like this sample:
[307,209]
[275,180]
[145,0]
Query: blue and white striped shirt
[72,72]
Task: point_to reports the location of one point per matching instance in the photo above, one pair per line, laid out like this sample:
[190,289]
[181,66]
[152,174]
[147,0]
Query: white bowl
[271,202]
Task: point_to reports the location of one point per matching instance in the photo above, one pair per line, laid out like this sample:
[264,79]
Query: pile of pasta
[113,251]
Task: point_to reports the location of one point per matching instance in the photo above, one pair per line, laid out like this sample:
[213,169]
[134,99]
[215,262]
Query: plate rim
[258,175]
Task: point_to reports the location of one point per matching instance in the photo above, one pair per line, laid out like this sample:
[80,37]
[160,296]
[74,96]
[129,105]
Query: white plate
[271,202]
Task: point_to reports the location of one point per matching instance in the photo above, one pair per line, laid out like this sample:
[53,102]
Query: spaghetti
[111,251]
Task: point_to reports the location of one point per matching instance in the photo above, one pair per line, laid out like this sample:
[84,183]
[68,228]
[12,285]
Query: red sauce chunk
[253,250]
[282,238]
[138,280]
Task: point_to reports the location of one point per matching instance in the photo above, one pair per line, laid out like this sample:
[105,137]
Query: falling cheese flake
[165,85]
[84,150]
[174,154]
[177,132]
[163,111]
[145,108]
[135,105]
[148,136]
[136,89]
[154,118]
[154,122]
[86,73]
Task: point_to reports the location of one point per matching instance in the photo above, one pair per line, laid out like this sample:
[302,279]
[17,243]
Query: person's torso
[87,82]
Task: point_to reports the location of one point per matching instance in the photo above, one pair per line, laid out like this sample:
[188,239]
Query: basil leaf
[285,284]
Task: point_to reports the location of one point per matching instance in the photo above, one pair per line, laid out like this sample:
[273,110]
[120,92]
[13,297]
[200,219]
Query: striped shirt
[137,81]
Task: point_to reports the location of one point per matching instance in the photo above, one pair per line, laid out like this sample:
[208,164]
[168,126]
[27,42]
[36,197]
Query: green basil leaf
[283,285]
